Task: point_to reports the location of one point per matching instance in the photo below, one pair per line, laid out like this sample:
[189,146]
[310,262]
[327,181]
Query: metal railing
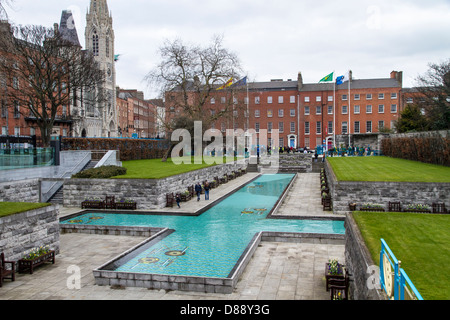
[393,278]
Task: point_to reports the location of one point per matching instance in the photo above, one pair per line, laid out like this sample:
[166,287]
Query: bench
[169,199]
[6,273]
[394,207]
[439,208]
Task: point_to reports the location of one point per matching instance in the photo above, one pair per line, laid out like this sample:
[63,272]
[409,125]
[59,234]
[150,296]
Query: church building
[95,119]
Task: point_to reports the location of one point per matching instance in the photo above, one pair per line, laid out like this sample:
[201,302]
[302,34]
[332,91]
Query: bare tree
[3,3]
[189,76]
[42,71]
[435,88]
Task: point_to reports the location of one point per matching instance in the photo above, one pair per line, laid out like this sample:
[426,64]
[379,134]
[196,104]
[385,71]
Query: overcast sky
[274,39]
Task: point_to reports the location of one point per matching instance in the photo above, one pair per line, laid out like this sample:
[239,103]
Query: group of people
[198,190]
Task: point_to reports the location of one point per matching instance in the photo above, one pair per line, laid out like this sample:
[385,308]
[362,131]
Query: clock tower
[99,36]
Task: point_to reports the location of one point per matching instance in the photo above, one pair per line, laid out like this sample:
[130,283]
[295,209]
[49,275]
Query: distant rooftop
[67,28]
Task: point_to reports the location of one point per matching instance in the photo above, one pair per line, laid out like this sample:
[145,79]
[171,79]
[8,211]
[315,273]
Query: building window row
[369,96]
[257,100]
[270,113]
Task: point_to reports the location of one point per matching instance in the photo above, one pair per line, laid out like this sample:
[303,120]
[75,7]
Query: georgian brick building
[307,114]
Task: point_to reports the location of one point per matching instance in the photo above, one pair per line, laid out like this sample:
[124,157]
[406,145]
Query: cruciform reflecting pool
[210,244]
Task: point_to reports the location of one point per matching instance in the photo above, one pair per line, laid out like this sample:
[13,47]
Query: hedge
[130,149]
[429,148]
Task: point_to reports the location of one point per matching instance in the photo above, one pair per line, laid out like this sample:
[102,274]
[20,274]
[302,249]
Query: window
[318,110]
[269,99]
[409,100]
[318,127]
[307,142]
[107,46]
[292,99]
[213,101]
[344,97]
[369,96]
[4,131]
[356,127]
[330,98]
[357,97]
[394,95]
[306,111]
[306,99]
[281,126]
[344,109]
[281,113]
[4,109]
[306,127]
[356,109]
[393,108]
[330,127]
[16,83]
[269,113]
[380,125]
[222,127]
[369,126]
[381,108]
[330,109]
[292,126]
[292,112]
[222,100]
[257,100]
[344,127]
[280,99]
[95,43]
[369,108]
[245,100]
[257,126]
[16,109]
[381,96]
[281,142]
[17,131]
[235,113]
[269,127]
[256,113]
[318,98]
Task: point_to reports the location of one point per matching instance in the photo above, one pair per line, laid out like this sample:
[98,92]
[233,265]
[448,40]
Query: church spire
[99,7]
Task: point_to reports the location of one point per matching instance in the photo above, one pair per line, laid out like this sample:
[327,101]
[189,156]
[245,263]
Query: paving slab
[277,270]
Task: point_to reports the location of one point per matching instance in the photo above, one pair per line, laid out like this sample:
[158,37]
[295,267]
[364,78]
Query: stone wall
[23,231]
[345,192]
[148,193]
[20,191]
[360,265]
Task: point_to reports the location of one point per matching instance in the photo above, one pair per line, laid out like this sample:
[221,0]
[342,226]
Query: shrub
[101,172]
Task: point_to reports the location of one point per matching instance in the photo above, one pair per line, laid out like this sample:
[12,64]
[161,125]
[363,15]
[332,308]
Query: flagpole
[349,108]
[334,115]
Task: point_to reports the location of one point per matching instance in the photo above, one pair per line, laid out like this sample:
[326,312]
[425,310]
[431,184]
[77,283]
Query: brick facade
[306,114]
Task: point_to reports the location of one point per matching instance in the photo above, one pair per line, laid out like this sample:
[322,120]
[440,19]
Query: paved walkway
[283,271]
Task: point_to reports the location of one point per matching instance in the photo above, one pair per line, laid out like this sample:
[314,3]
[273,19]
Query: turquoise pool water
[209,245]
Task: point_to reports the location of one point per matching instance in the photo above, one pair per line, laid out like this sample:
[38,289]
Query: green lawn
[387,169]
[8,208]
[156,169]
[419,241]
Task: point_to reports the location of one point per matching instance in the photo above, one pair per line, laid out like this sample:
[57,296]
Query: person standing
[206,187]
[198,190]
[178,199]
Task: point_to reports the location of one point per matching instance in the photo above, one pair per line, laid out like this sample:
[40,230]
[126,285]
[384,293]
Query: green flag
[328,78]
